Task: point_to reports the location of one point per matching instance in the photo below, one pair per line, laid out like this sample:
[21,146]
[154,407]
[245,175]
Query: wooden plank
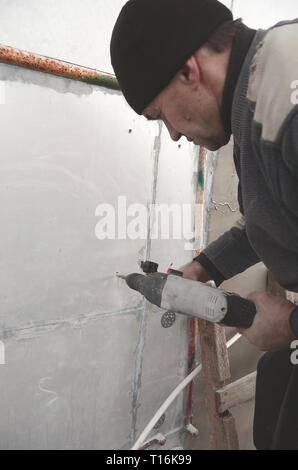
[231,436]
[216,370]
[214,353]
[236,393]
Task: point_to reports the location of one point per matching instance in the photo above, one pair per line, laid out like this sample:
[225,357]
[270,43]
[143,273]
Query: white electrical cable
[233,340]
[172,397]
[165,406]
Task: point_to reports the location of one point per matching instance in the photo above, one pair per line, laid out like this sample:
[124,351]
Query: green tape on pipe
[201,180]
[107,82]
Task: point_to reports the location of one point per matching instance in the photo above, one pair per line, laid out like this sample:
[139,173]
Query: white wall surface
[87,362]
[72,30]
[263,14]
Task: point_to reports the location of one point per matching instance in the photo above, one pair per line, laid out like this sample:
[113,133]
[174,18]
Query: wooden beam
[236,393]
[216,370]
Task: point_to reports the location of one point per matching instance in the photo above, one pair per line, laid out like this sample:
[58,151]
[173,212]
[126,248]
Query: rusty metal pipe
[30,60]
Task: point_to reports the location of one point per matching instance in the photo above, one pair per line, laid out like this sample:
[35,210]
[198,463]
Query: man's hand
[270,330]
[195,271]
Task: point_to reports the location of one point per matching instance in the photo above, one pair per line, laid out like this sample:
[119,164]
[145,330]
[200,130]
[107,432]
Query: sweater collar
[240,47]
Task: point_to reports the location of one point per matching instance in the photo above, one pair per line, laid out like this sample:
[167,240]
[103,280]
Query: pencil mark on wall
[45,390]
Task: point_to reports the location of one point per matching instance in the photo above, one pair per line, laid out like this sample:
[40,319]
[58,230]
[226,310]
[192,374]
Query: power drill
[174,293]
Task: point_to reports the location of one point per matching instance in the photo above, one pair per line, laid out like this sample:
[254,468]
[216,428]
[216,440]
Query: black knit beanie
[153,39]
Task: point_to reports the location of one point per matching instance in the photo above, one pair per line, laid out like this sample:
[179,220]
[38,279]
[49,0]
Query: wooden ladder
[220,396]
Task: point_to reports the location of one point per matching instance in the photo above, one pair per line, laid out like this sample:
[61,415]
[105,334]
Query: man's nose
[172,131]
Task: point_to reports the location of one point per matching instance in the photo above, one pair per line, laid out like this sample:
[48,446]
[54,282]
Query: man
[206,77]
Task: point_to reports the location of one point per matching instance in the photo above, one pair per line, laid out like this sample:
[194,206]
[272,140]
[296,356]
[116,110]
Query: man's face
[193,112]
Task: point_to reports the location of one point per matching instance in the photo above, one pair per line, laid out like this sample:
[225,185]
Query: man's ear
[190,74]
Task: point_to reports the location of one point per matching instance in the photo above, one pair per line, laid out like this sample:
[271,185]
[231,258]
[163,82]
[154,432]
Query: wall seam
[79,321]
[143,319]
[211,163]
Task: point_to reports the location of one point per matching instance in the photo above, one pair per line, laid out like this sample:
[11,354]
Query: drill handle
[241,312]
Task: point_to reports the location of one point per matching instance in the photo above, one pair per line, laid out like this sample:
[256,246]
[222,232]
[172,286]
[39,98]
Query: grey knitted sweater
[265,130]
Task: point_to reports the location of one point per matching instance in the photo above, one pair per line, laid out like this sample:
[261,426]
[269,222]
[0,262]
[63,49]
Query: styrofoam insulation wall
[87,363]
